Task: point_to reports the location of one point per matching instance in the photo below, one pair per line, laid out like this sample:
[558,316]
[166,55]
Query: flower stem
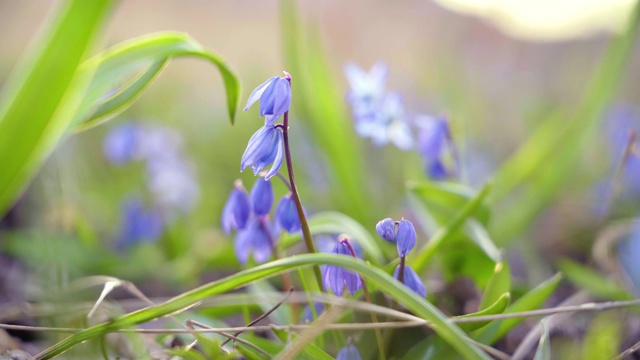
[367,296]
[401,270]
[306,233]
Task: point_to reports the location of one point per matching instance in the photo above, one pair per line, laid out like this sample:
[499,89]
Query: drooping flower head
[139,224]
[261,197]
[349,352]
[287,214]
[266,146]
[256,238]
[336,277]
[236,210]
[308,313]
[402,233]
[436,147]
[411,280]
[275,98]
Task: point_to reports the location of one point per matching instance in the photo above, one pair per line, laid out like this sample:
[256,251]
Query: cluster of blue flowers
[381,116]
[337,278]
[248,214]
[169,176]
[403,234]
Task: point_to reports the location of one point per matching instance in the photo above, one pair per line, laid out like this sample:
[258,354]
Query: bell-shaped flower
[261,196]
[236,210]
[365,87]
[257,238]
[411,280]
[266,146]
[386,229]
[336,277]
[275,98]
[349,352]
[138,224]
[287,214]
[308,313]
[122,143]
[435,146]
[405,237]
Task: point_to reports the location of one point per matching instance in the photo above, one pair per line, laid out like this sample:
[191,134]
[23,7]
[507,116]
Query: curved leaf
[412,301]
[497,307]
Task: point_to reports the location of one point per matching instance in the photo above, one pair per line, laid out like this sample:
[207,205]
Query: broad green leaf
[144,57]
[603,337]
[499,284]
[335,223]
[497,307]
[412,301]
[43,92]
[422,256]
[593,282]
[319,102]
[444,199]
[544,350]
[480,236]
[530,301]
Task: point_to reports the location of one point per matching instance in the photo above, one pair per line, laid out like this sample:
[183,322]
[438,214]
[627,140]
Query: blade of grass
[412,301]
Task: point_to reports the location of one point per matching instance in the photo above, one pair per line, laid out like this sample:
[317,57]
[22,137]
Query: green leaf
[497,307]
[593,282]
[423,255]
[530,301]
[544,350]
[499,284]
[43,93]
[148,53]
[412,301]
[603,337]
[334,223]
[444,199]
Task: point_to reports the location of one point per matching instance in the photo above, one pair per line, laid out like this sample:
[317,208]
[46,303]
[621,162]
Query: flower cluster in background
[381,116]
[170,179]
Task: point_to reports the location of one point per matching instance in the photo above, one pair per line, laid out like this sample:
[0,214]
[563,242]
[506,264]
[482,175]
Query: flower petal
[406,237]
[257,93]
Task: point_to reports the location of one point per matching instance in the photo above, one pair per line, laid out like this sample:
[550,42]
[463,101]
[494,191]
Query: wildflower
[262,197]
[349,352]
[122,144]
[265,147]
[275,98]
[138,224]
[257,238]
[411,280]
[435,146]
[236,210]
[287,214]
[173,183]
[336,278]
[366,87]
[386,229]
[308,314]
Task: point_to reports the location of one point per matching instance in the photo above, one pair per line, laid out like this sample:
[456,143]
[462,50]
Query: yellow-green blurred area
[541,97]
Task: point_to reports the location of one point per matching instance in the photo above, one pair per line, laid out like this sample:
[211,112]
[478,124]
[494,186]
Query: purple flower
[287,214]
[138,224]
[275,98]
[122,143]
[386,229]
[435,146]
[262,196]
[411,280]
[265,147]
[258,238]
[405,237]
[236,210]
[307,313]
[336,278]
[349,352]
[366,87]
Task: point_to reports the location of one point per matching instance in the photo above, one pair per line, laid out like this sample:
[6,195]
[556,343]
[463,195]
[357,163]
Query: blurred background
[498,69]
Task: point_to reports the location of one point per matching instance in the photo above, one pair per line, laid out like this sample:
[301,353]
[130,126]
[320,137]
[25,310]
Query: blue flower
[256,238]
[366,87]
[308,315]
[122,143]
[385,122]
[405,237]
[172,181]
[349,352]
[386,229]
[236,210]
[275,98]
[336,278]
[265,147]
[287,214]
[435,146]
[411,280]
[262,197]
[138,224]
